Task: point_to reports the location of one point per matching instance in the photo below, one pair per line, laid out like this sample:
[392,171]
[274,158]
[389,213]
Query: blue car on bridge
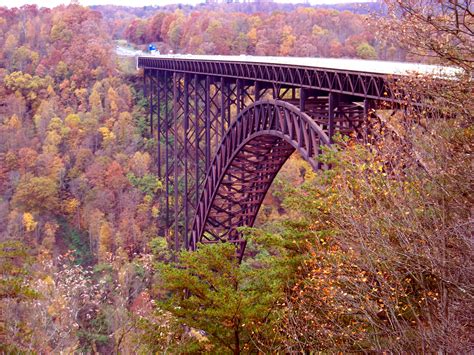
[152,49]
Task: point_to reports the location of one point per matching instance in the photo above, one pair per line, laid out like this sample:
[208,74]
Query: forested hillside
[302,31]
[375,254]
[76,182]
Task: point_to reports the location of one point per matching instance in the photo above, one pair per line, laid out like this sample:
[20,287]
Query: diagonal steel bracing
[221,140]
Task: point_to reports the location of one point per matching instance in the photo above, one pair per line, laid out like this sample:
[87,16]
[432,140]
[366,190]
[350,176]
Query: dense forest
[303,31]
[372,255]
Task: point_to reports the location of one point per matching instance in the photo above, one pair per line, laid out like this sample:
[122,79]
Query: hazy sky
[52,3]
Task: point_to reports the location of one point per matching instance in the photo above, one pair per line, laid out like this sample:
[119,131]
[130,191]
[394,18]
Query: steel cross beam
[221,140]
[362,84]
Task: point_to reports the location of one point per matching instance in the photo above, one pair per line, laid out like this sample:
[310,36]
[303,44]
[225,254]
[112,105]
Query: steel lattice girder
[364,85]
[194,114]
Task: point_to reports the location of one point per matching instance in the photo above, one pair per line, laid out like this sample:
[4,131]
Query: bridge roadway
[348,76]
[224,126]
[340,64]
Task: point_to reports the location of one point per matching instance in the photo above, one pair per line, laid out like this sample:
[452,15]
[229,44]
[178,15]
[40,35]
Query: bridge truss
[224,130]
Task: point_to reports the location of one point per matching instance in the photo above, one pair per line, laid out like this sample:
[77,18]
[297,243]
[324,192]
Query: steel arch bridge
[224,126]
[255,147]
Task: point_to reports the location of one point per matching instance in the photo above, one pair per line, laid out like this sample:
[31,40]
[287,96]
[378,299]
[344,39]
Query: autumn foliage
[373,255]
[68,144]
[302,32]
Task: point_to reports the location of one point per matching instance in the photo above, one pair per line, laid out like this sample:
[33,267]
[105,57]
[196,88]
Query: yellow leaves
[147,199]
[53,139]
[56,168]
[55,124]
[72,121]
[155,211]
[61,70]
[29,222]
[105,132]
[26,85]
[107,135]
[252,36]
[50,90]
[71,205]
[105,240]
[310,175]
[112,99]
[200,338]
[95,103]
[48,280]
[318,31]
[288,40]
[10,43]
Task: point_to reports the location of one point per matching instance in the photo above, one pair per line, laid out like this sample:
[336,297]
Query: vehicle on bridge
[152,49]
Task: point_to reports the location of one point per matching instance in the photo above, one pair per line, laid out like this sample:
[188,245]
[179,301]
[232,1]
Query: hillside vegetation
[374,255]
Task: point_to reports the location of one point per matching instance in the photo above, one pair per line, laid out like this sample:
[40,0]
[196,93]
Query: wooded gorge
[374,254]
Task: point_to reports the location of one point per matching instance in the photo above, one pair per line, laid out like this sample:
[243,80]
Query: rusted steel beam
[364,85]
[223,140]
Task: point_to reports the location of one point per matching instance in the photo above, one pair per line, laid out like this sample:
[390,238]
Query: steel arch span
[255,147]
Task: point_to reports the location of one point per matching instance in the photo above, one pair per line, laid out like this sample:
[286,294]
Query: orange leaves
[114,176]
[14,122]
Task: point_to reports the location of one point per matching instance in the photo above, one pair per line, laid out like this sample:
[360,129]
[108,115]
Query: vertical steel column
[151,103]
[145,89]
[197,131]
[276,91]
[158,123]
[207,105]
[186,155]
[175,159]
[230,92]
[239,98]
[167,149]
[257,90]
[215,109]
[331,114]
[223,106]
[303,99]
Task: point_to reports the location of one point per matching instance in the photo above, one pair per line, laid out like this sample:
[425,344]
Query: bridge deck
[361,78]
[339,64]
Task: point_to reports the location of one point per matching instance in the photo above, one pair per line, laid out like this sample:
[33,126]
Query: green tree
[233,304]
[366,51]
